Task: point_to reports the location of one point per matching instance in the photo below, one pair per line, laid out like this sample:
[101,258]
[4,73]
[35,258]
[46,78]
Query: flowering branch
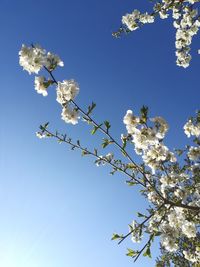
[186,22]
[172,190]
[63,139]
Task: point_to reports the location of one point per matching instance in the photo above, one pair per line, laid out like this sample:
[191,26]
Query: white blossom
[40,85]
[189,229]
[133,20]
[194,153]
[70,115]
[130,20]
[191,129]
[191,256]
[156,155]
[161,127]
[52,61]
[41,135]
[66,91]
[136,235]
[32,58]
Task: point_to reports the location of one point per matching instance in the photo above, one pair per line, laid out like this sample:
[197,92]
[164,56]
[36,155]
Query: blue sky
[57,208]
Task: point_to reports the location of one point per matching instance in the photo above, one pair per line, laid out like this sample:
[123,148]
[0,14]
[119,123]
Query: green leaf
[157,234]
[131,183]
[106,142]
[131,253]
[147,253]
[107,124]
[95,151]
[86,119]
[90,108]
[124,152]
[124,144]
[78,142]
[46,125]
[84,152]
[116,236]
[64,137]
[144,114]
[141,215]
[95,129]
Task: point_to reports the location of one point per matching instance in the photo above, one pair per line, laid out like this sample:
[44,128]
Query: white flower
[154,197]
[136,235]
[168,236]
[52,61]
[176,14]
[176,24]
[70,115]
[194,153]
[195,168]
[32,58]
[40,85]
[109,157]
[40,135]
[191,129]
[187,27]
[133,20]
[131,121]
[169,243]
[169,180]
[143,139]
[100,161]
[189,229]
[146,18]
[163,15]
[161,127]
[156,155]
[190,256]
[129,21]
[66,91]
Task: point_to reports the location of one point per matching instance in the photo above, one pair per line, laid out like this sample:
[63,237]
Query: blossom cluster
[176,228]
[187,25]
[172,189]
[33,59]
[180,185]
[135,19]
[186,22]
[148,140]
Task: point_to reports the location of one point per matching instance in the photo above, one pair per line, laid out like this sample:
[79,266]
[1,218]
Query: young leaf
[106,142]
[131,183]
[124,144]
[116,236]
[144,114]
[78,142]
[141,215]
[147,253]
[107,124]
[131,253]
[46,125]
[84,152]
[90,108]
[95,129]
[95,151]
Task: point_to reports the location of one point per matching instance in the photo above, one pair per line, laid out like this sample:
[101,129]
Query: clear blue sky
[57,209]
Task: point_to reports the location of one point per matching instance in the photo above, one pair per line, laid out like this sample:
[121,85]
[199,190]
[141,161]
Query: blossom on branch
[186,22]
[172,188]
